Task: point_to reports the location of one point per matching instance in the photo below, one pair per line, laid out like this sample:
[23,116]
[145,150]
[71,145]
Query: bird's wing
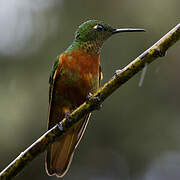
[52,77]
[60,153]
[55,74]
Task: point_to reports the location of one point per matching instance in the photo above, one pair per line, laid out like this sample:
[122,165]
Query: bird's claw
[67,116]
[60,127]
[98,106]
[88,97]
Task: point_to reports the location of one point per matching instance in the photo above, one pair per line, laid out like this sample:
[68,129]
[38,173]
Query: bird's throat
[90,47]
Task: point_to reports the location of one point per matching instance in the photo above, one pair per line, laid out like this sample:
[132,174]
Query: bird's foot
[67,116]
[89,96]
[97,100]
[60,127]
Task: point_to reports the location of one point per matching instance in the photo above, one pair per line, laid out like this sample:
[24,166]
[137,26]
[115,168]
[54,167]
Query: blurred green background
[135,136]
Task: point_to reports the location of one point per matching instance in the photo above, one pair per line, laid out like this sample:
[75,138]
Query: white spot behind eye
[99,27]
[95,27]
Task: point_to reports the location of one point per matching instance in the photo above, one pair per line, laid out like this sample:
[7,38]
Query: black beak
[114,31]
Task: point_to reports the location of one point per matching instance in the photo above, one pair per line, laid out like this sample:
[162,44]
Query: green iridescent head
[95,30]
[91,35]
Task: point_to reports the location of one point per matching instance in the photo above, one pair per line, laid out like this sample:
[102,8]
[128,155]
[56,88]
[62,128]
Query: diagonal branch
[157,50]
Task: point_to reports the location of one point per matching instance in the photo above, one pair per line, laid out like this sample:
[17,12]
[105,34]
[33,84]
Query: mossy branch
[157,50]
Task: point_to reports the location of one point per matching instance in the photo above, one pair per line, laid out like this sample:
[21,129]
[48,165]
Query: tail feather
[60,153]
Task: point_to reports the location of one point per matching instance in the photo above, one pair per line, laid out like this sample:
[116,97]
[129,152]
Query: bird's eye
[98,27]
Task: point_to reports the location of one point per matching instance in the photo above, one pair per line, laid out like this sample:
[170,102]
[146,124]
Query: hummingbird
[75,74]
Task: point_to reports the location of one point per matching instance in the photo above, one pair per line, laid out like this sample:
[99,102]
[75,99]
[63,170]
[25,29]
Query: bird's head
[95,30]
[91,35]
